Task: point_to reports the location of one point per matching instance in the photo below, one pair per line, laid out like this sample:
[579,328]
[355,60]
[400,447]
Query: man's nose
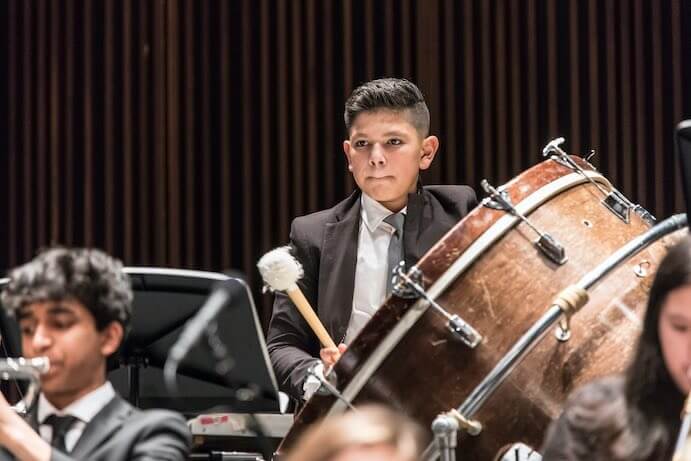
[377,157]
[41,339]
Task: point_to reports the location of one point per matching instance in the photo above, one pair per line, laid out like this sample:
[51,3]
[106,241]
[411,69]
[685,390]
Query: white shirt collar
[373,212]
[84,408]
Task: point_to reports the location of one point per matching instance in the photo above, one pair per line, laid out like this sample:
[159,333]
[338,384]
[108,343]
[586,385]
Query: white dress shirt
[372,269]
[84,409]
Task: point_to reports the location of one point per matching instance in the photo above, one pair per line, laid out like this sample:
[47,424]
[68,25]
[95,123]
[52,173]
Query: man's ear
[430,146]
[346,151]
[111,337]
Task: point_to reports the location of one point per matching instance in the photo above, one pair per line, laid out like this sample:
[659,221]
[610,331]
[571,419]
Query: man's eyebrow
[394,133]
[58,309]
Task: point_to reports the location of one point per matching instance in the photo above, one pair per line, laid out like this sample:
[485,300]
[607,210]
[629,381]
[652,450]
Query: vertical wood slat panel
[226,148]
[88,118]
[55,117]
[172,131]
[515,159]
[14,135]
[265,93]
[612,151]
[40,206]
[676,72]
[144,202]
[449,106]
[574,71]
[488,145]
[641,112]
[593,75]
[28,130]
[626,155]
[552,100]
[159,129]
[248,154]
[127,131]
[69,215]
[369,39]
[532,102]
[206,199]
[390,43]
[311,99]
[331,133]
[297,126]
[190,150]
[658,112]
[348,64]
[283,117]
[109,125]
[502,171]
[469,113]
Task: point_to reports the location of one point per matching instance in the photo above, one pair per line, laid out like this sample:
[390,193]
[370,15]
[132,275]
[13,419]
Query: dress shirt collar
[84,408]
[373,212]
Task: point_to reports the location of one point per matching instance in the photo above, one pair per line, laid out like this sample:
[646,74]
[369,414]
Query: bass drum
[488,271]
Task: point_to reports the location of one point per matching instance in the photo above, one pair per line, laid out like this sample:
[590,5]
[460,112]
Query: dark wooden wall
[189,133]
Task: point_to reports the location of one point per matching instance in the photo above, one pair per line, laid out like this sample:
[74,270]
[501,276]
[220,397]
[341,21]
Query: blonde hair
[368,426]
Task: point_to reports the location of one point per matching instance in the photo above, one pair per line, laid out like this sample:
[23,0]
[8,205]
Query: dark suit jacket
[325,243]
[122,432]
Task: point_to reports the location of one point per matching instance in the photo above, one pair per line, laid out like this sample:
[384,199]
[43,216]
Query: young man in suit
[347,251]
[73,307]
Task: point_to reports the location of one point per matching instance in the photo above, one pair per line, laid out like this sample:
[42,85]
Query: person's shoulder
[452,192]
[456,200]
[318,219]
[599,404]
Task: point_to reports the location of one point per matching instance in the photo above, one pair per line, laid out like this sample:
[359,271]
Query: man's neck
[60,400]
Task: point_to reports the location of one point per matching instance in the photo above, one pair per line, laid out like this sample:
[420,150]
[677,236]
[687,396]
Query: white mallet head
[279,269]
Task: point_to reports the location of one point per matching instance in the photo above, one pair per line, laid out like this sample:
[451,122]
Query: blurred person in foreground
[370,433]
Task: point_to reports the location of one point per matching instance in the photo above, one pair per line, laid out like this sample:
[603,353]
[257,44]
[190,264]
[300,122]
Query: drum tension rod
[547,244]
[614,200]
[410,286]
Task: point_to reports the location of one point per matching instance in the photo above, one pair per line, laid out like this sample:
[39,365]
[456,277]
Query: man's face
[385,154]
[65,332]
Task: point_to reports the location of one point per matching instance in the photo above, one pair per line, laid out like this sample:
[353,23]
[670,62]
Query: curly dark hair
[87,275]
[396,94]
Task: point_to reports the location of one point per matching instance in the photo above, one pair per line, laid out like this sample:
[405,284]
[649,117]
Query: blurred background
[188,134]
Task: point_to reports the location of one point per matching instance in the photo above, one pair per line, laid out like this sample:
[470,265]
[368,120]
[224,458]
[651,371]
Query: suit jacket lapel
[337,268]
[104,424]
[421,231]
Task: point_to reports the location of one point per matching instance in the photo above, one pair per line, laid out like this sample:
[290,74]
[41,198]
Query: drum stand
[445,428]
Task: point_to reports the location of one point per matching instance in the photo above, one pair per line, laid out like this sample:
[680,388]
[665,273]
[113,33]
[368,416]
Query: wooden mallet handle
[295,295]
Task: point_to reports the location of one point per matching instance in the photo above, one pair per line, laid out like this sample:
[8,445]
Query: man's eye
[360,143]
[681,328]
[395,142]
[26,330]
[61,324]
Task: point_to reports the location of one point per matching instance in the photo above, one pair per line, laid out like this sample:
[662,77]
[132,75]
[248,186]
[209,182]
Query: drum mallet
[281,272]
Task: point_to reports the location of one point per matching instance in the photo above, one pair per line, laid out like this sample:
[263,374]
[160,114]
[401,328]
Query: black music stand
[164,299]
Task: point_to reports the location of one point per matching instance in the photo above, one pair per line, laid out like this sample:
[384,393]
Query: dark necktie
[60,425]
[395,253]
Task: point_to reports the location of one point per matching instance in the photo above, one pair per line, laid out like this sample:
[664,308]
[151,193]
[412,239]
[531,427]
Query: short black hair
[87,275]
[396,94]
